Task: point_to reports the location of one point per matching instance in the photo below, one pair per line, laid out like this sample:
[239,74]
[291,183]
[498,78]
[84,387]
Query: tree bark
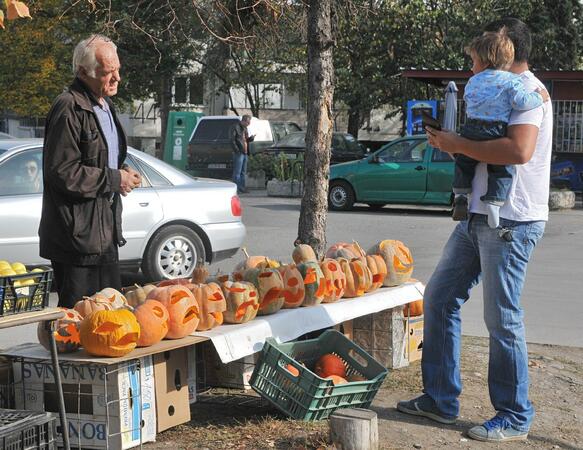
[165,101]
[314,207]
[353,122]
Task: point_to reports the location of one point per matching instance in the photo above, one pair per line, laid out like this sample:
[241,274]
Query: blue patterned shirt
[110,132]
[492,95]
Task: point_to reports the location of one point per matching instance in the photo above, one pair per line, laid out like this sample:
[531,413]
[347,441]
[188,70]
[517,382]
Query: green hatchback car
[405,171]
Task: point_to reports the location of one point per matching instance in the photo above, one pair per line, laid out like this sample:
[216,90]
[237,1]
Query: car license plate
[217,166]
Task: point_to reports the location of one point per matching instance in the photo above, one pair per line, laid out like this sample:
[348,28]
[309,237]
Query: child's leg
[464,170]
[499,184]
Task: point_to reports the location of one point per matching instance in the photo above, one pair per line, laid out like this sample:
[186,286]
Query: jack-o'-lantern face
[378,269]
[398,260]
[242,301]
[269,285]
[153,319]
[65,332]
[293,286]
[212,305]
[314,282]
[183,309]
[335,280]
[361,276]
[355,277]
[110,333]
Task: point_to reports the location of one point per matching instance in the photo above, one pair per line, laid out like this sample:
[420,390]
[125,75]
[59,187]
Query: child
[490,96]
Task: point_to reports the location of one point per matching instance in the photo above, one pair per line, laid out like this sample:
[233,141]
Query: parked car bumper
[226,238]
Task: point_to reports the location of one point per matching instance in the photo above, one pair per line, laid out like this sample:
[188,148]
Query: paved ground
[552,299]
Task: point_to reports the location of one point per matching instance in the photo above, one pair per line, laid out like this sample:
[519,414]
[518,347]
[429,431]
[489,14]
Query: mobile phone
[429,121]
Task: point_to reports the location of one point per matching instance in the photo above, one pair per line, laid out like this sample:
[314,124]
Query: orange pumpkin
[252,262]
[293,286]
[212,304]
[356,277]
[242,301]
[303,253]
[336,379]
[330,364]
[153,319]
[110,333]
[413,309]
[269,285]
[175,282]
[96,302]
[182,307]
[65,332]
[335,280]
[378,268]
[398,260]
[346,250]
[136,295]
[114,297]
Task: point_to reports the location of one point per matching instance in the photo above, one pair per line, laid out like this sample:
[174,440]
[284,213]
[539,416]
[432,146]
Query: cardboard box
[107,405]
[215,373]
[414,338]
[171,375]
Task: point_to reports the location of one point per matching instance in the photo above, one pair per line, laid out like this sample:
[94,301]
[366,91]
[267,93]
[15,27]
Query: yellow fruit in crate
[4,264]
[7,272]
[19,268]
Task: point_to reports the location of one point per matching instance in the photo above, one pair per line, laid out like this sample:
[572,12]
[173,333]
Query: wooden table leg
[58,385]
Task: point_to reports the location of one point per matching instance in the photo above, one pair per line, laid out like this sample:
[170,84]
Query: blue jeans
[499,176]
[239,170]
[475,251]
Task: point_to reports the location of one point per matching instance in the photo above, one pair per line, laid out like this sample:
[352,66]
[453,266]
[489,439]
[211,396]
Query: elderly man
[497,257]
[83,177]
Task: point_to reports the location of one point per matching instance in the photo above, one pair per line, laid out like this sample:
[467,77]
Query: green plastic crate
[308,396]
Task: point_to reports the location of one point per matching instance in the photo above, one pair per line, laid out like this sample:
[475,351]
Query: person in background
[497,257]
[240,140]
[83,177]
[32,176]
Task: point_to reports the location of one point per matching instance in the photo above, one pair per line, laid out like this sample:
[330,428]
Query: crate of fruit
[310,379]
[22,290]
[27,430]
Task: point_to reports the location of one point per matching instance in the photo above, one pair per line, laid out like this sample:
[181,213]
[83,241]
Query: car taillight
[236,209]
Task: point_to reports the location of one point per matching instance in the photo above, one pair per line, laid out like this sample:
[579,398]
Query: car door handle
[144,204]
[419,168]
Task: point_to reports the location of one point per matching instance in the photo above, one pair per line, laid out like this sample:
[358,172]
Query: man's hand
[446,141]
[130,179]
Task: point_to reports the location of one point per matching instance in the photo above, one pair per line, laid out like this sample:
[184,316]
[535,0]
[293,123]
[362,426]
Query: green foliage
[286,169]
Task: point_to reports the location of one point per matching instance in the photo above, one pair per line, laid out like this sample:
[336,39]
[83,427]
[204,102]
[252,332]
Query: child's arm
[522,100]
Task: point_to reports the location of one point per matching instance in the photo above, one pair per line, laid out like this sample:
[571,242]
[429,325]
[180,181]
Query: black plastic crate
[26,292]
[27,430]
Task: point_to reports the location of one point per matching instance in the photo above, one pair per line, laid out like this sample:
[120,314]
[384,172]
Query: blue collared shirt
[110,131]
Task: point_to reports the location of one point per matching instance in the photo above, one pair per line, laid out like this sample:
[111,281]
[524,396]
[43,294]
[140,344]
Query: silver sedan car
[170,223]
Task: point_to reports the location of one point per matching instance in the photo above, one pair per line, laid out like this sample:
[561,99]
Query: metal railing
[567,124]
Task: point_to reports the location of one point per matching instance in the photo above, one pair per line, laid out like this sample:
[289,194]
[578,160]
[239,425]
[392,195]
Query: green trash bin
[181,124]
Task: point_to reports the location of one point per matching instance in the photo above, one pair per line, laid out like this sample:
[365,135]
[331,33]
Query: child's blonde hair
[494,49]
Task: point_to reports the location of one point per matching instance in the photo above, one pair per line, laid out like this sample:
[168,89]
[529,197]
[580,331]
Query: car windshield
[294,140]
[212,130]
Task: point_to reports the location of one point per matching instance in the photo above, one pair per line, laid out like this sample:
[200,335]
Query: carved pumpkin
[110,333]
[252,262]
[330,364]
[303,253]
[314,283]
[413,309]
[346,250]
[378,268]
[212,304]
[96,302]
[175,282]
[356,277]
[293,286]
[182,307]
[65,332]
[335,280]
[153,319]
[242,301]
[269,285]
[114,297]
[398,260]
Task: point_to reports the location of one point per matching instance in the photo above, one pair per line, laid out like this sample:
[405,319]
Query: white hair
[84,54]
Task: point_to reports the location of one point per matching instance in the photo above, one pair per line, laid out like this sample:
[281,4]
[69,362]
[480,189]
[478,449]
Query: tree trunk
[165,101]
[314,207]
[353,122]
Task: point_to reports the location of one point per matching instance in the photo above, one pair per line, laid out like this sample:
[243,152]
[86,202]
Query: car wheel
[172,253]
[376,206]
[340,196]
